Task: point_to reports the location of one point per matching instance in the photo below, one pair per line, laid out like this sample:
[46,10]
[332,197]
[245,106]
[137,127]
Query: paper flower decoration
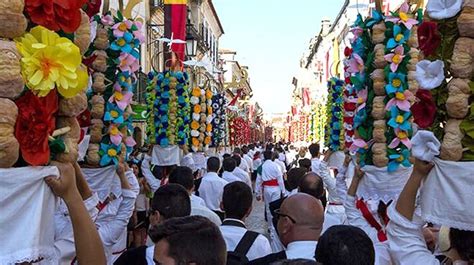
[429,38]
[35,123]
[93,7]
[401,137]
[403,17]
[395,58]
[55,15]
[397,159]
[122,99]
[128,63]
[401,100]
[399,120]
[358,145]
[50,61]
[396,82]
[430,74]
[115,135]
[361,99]
[400,37]
[113,114]
[424,109]
[443,9]
[355,64]
[109,153]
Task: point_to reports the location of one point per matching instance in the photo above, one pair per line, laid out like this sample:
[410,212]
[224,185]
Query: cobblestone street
[256,220]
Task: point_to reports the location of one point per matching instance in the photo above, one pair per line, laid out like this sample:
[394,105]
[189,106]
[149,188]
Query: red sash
[271,183]
[381,235]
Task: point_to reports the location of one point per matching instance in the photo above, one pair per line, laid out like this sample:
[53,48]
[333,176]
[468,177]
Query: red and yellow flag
[175,24]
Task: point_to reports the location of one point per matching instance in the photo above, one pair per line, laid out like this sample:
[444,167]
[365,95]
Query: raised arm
[150,178]
[89,249]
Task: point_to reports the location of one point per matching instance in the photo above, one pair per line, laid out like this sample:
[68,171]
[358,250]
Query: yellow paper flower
[195,141]
[51,61]
[196,92]
[207,140]
[194,125]
[197,109]
[208,94]
[209,127]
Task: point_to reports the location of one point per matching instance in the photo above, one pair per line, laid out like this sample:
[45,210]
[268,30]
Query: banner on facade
[175,24]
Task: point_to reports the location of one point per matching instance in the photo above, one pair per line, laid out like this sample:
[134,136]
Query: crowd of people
[187,214]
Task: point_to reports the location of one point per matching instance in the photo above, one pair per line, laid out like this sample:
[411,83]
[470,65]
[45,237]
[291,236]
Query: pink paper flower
[128,63]
[115,135]
[395,58]
[403,17]
[122,27]
[107,20]
[402,137]
[361,99]
[355,64]
[130,142]
[357,32]
[358,144]
[122,99]
[401,100]
[138,33]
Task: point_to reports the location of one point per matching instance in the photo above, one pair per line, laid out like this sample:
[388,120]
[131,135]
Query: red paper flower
[34,124]
[424,110]
[92,7]
[55,15]
[347,52]
[429,38]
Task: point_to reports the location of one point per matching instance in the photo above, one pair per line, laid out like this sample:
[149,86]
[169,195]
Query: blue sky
[270,37]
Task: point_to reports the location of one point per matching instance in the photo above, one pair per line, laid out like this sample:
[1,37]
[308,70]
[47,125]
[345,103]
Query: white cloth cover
[336,160]
[379,184]
[83,145]
[165,156]
[425,146]
[441,9]
[447,195]
[103,181]
[27,215]
[199,160]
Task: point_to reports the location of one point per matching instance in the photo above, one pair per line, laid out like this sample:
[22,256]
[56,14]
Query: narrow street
[256,220]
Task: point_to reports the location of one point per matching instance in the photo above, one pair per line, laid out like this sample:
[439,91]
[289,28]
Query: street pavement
[256,220]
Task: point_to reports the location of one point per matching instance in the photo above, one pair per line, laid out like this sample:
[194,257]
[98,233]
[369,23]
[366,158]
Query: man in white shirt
[237,204]
[150,178]
[169,201]
[240,173]
[246,156]
[280,163]
[184,177]
[300,220]
[212,187]
[229,166]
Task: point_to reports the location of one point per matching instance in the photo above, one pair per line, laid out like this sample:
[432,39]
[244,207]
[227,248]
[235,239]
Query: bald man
[300,221]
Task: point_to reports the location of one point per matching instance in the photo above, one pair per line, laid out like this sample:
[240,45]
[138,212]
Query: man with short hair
[189,240]
[237,205]
[184,177]
[229,166]
[171,200]
[300,221]
[247,158]
[240,173]
[345,245]
[212,186]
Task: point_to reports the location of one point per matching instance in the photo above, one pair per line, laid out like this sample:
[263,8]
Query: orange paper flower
[196,92]
[197,109]
[194,125]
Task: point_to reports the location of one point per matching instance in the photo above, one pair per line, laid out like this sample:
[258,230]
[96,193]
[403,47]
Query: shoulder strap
[246,242]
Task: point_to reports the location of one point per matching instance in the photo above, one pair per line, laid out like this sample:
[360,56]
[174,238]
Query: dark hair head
[171,200]
[305,163]
[245,149]
[345,245]
[228,164]
[237,160]
[237,200]
[312,184]
[294,262]
[294,177]
[182,176]
[251,146]
[267,155]
[213,164]
[463,242]
[192,239]
[314,150]
[238,151]
[224,156]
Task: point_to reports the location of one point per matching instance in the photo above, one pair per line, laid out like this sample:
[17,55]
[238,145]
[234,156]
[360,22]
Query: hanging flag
[175,25]
[306,97]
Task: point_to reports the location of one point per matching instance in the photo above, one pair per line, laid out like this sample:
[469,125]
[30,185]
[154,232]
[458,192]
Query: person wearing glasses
[299,225]
[169,201]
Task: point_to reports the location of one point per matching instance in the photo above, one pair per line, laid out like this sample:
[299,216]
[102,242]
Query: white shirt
[230,177]
[211,189]
[270,171]
[150,178]
[244,165]
[233,234]
[301,250]
[249,161]
[205,212]
[320,167]
[149,253]
[243,176]
[407,244]
[256,163]
[281,165]
[196,201]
